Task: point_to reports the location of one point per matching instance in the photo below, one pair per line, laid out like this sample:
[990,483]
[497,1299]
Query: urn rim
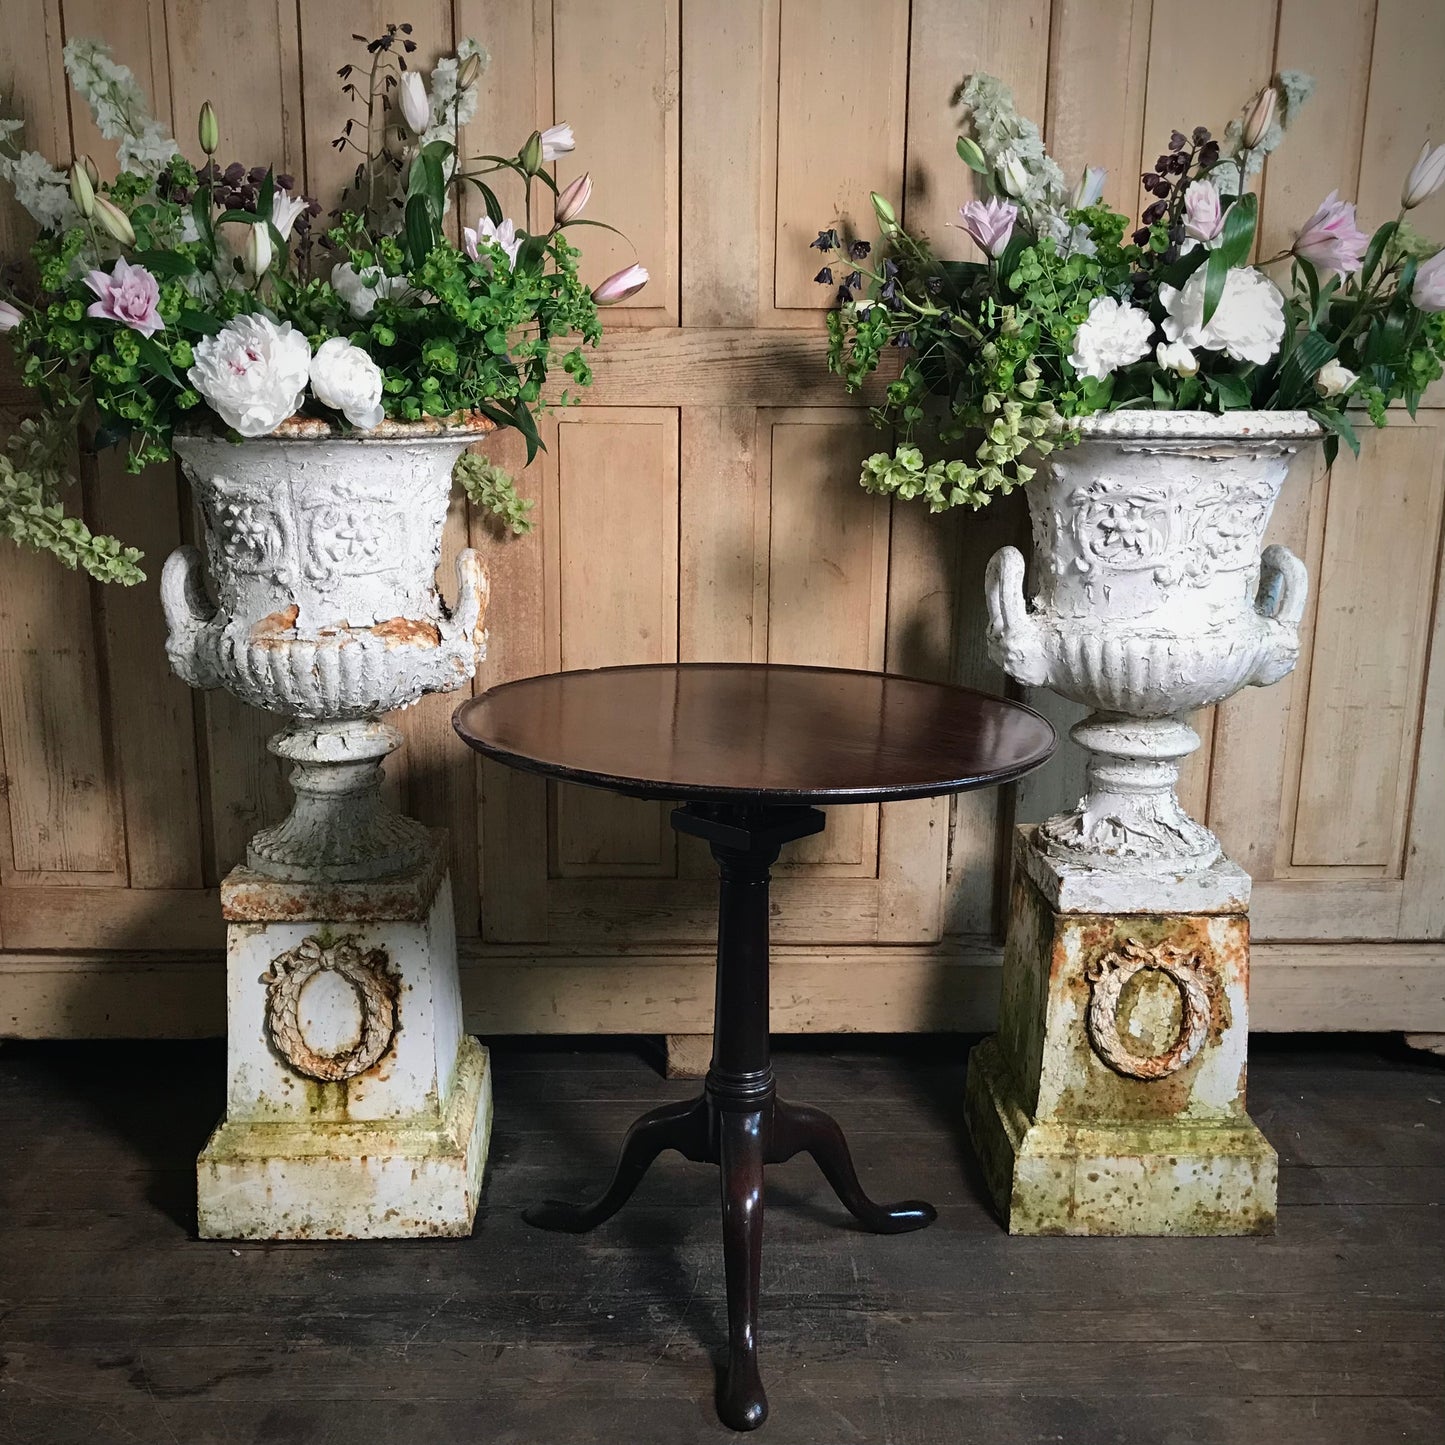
[1151,425]
[298,428]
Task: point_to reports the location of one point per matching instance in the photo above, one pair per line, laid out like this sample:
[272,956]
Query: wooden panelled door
[702,504]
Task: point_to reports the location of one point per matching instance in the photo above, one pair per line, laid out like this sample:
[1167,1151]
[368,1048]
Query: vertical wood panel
[952,39]
[617,478]
[841,114]
[828,565]
[1331,40]
[724,68]
[1381,543]
[135,31]
[616,68]
[1204,66]
[1093,124]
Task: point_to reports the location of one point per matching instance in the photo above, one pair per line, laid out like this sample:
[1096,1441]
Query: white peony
[360,289]
[347,380]
[1334,379]
[1114,335]
[253,373]
[1248,324]
[1175,356]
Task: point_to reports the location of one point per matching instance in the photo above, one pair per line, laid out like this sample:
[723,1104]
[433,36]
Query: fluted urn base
[1130,819]
[340,829]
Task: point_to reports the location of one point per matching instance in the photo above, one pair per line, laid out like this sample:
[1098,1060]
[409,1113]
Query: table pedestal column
[738,1122]
[1111,1100]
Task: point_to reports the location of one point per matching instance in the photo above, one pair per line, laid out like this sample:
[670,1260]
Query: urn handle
[188,611]
[469,616]
[1280,603]
[1013,632]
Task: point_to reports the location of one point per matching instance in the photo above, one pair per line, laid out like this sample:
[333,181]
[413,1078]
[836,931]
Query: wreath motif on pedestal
[369,974]
[1112,971]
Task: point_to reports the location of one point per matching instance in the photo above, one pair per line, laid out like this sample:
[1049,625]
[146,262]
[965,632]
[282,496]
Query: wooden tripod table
[748,750]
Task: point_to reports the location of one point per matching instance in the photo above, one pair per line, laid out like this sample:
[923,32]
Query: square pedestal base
[1112,1099]
[352,1181]
[1053,1178]
[356,1105]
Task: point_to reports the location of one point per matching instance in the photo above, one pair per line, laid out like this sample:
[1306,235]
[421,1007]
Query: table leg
[683,1127]
[738,1122]
[799,1127]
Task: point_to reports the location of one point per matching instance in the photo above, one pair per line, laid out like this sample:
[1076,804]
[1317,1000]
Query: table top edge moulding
[491,721]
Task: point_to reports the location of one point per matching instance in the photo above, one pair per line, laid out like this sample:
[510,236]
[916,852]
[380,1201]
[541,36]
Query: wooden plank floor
[116,1325]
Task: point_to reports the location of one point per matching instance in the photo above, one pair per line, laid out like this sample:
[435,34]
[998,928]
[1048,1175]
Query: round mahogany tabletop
[714,732]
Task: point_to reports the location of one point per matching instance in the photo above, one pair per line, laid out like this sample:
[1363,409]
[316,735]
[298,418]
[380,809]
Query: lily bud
[883,209]
[1014,177]
[81,190]
[620,285]
[10,316]
[530,157]
[468,71]
[970,154]
[1260,117]
[90,171]
[573,200]
[1426,177]
[258,252]
[114,220]
[208,129]
[1090,187]
[415,105]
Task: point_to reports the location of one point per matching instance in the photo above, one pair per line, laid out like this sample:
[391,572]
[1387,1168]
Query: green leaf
[201,323]
[1232,391]
[970,154]
[266,198]
[1302,365]
[420,230]
[1339,427]
[1238,234]
[1215,275]
[489,199]
[164,265]
[1375,250]
[154,356]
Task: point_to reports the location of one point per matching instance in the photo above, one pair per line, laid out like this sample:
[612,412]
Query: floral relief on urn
[1153,596]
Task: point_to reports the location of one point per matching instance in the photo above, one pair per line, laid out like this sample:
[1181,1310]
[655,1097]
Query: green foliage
[33,475]
[493,489]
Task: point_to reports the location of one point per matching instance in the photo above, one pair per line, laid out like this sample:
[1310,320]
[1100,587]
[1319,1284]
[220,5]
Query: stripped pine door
[701,504]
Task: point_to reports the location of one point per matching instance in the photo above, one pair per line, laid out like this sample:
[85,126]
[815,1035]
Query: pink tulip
[573,200]
[130,295]
[10,317]
[1428,292]
[622,284]
[1203,218]
[990,223]
[1330,240]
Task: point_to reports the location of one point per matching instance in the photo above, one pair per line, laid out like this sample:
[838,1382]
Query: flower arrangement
[1066,315]
[185,296]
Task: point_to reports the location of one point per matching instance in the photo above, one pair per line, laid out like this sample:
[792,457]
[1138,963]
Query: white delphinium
[453,105]
[1014,150]
[119,108]
[41,189]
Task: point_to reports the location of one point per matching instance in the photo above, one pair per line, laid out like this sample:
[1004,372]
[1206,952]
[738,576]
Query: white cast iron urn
[1151,599]
[322,550]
